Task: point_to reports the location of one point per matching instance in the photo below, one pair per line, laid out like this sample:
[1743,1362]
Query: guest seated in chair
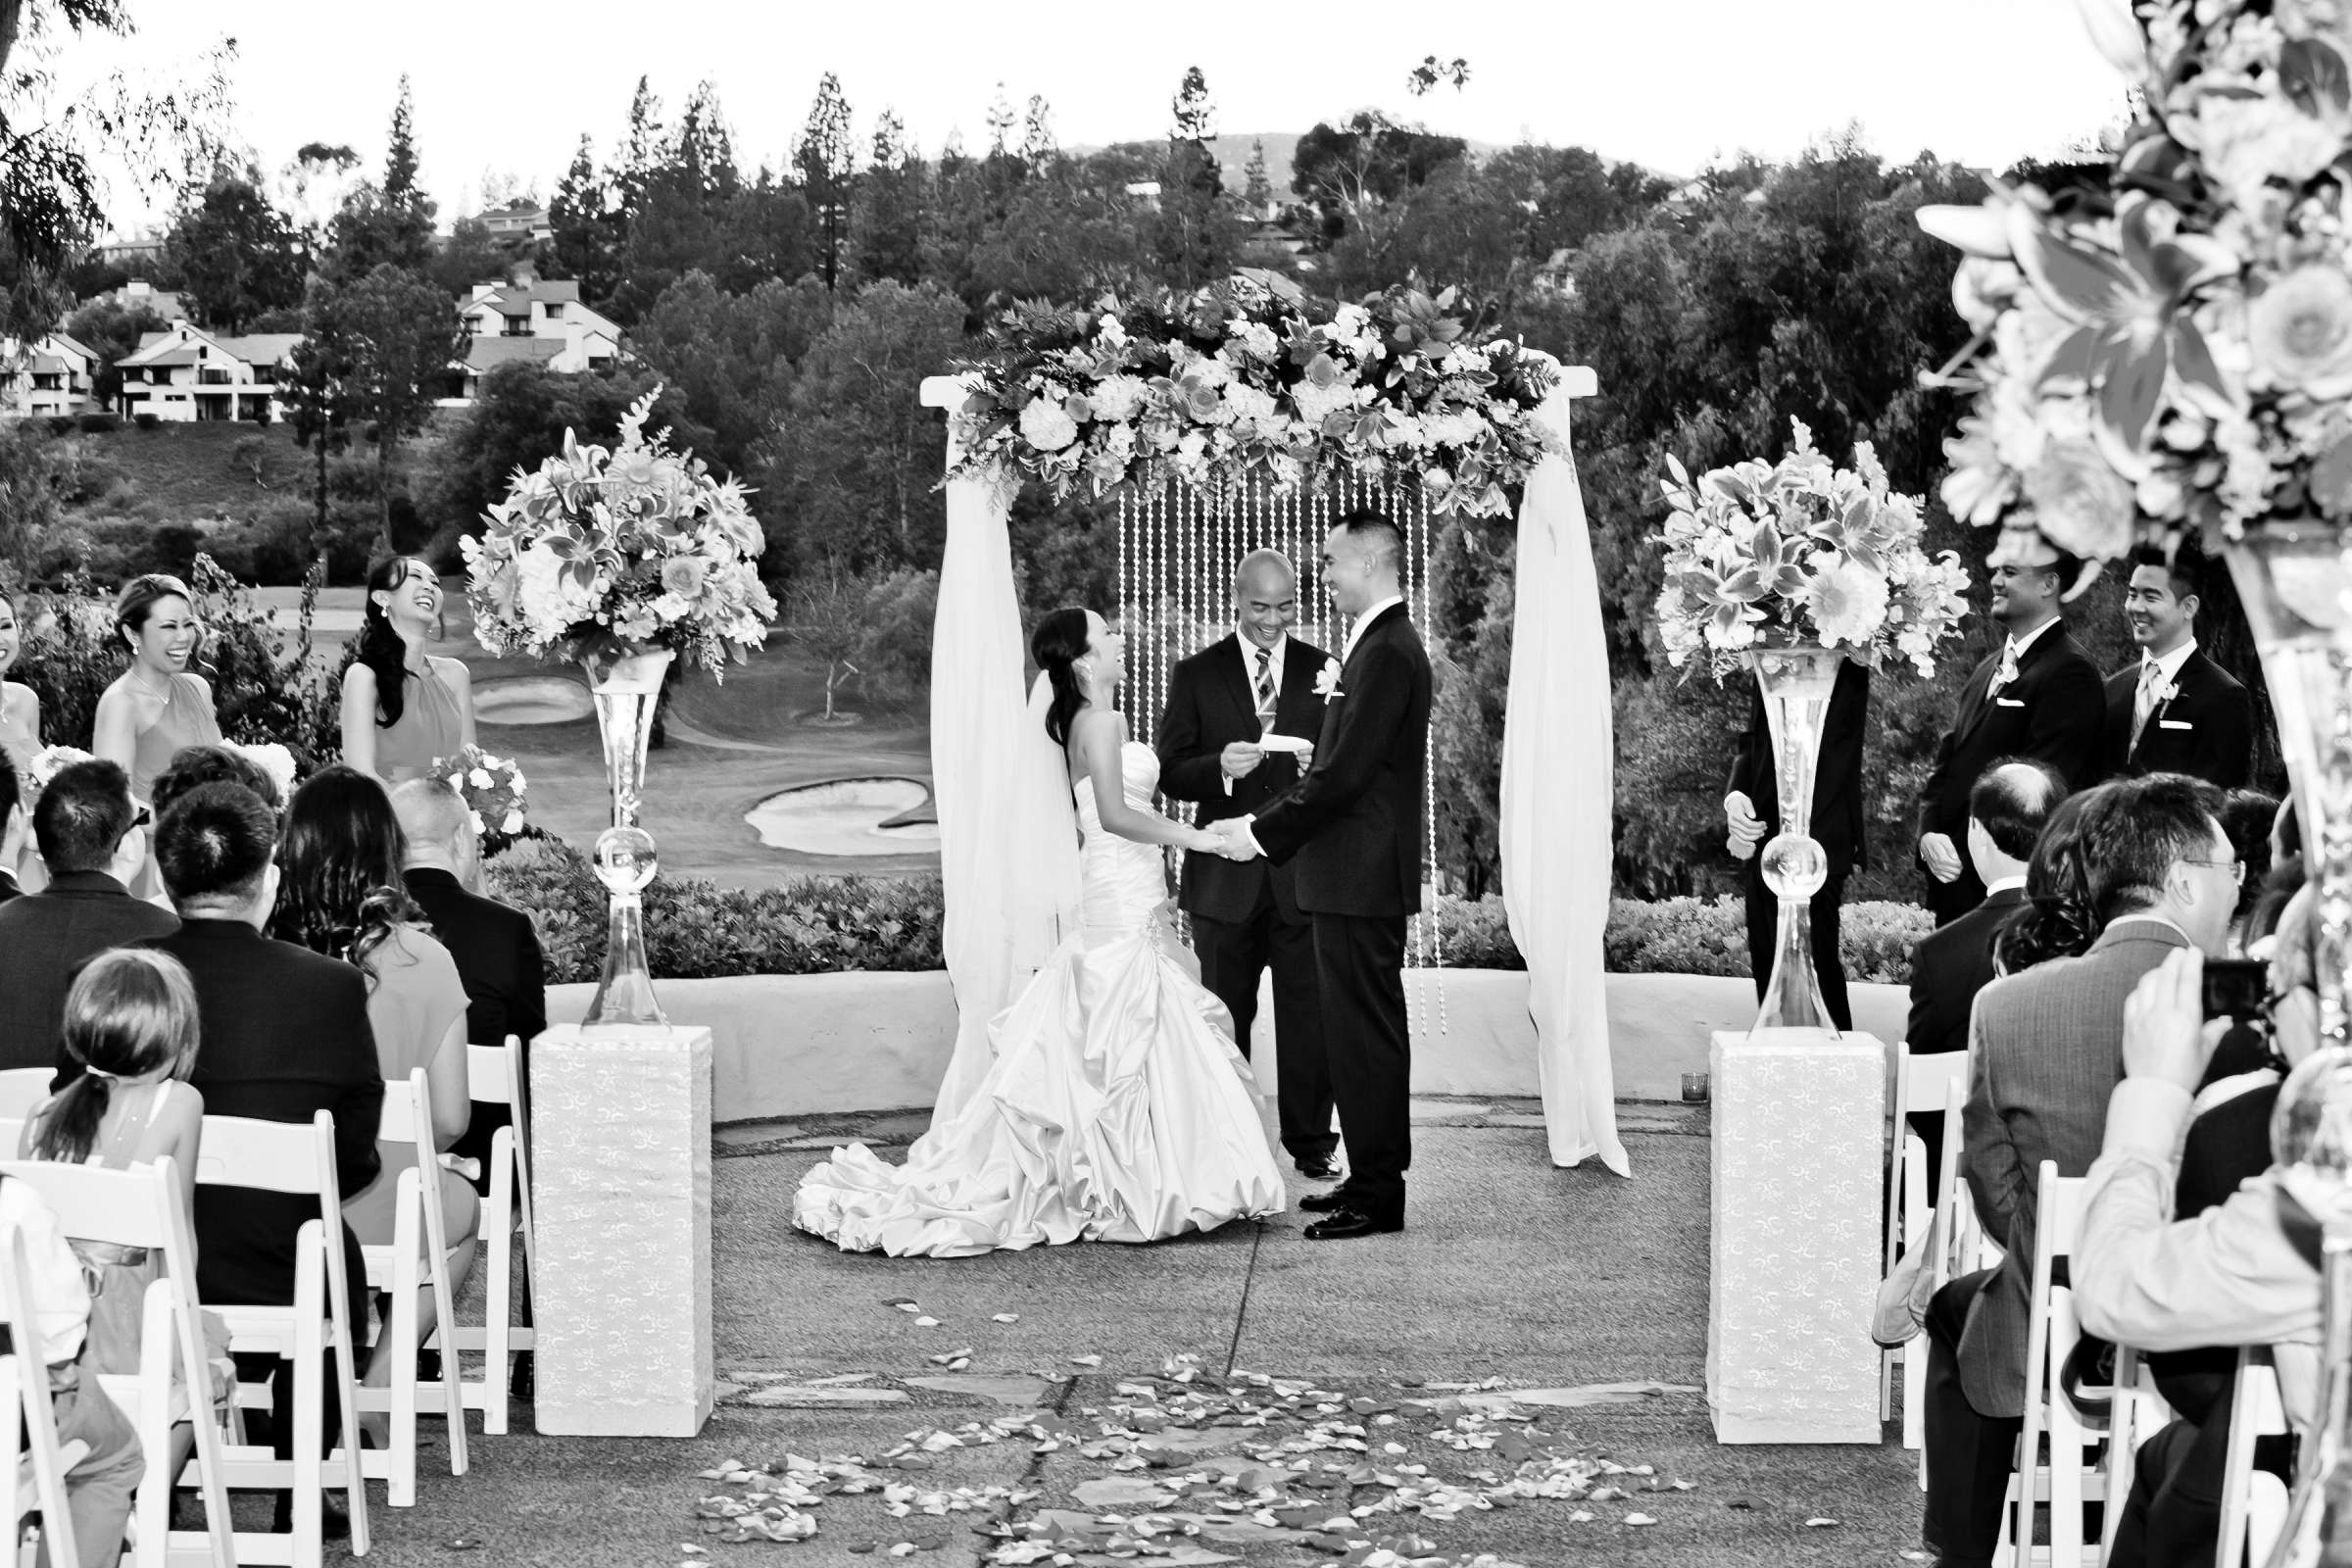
[192,766]
[285,1035]
[89,835]
[2045,1046]
[342,895]
[2239,1263]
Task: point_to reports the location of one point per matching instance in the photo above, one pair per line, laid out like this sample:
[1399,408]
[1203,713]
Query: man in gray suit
[2047,1050]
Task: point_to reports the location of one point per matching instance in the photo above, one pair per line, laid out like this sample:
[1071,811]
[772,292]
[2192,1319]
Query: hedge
[818,925]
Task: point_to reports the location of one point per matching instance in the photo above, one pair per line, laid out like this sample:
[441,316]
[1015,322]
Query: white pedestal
[1796,1167]
[620,1179]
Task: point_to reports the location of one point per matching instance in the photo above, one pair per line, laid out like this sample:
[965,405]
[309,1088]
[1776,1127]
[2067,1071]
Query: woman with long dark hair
[403,709]
[340,893]
[1116,1107]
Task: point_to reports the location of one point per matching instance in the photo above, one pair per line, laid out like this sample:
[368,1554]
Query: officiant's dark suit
[1354,829]
[1836,827]
[2205,729]
[1246,914]
[2054,711]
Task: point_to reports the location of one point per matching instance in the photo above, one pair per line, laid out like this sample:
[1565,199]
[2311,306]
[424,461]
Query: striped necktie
[1265,691]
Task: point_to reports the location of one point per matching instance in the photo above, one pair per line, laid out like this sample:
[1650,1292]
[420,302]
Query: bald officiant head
[1265,597]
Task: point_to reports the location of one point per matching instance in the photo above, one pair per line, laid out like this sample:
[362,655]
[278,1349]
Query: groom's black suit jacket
[1353,824]
[1212,704]
[2205,731]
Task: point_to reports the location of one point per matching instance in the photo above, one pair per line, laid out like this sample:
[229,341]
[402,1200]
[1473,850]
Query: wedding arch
[1244,416]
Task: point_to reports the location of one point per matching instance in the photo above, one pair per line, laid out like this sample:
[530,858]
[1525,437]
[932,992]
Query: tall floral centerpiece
[2166,351]
[1787,569]
[620,561]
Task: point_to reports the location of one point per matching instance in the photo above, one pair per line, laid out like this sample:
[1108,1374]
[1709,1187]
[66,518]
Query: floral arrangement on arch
[492,788]
[1250,380]
[1765,555]
[601,552]
[2173,349]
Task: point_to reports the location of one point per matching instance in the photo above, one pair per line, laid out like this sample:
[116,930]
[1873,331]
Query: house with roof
[520,220]
[530,319]
[51,376]
[188,375]
[139,294]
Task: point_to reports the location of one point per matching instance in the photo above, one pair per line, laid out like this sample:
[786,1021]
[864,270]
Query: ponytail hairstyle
[1060,639]
[380,647]
[130,1011]
[2061,916]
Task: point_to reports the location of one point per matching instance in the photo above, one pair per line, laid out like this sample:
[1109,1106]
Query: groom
[1354,824]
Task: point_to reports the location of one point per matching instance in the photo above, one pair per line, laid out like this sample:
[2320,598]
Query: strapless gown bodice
[1116,1108]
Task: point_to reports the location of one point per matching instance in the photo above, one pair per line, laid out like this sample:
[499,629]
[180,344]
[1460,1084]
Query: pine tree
[643,153]
[1000,123]
[1196,112]
[826,158]
[890,141]
[400,157]
[1257,190]
[1039,148]
[886,222]
[581,216]
[391,222]
[1197,234]
[706,150]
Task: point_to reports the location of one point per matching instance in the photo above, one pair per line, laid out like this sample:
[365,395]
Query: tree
[1345,170]
[318,407]
[826,158]
[1198,236]
[1194,112]
[825,613]
[1256,190]
[586,228]
[1000,124]
[644,150]
[730,357]
[1424,77]
[112,330]
[393,335]
[314,184]
[471,255]
[886,220]
[1039,147]
[519,418]
[238,255]
[389,224]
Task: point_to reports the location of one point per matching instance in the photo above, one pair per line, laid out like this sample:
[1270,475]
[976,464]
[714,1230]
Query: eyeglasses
[143,818]
[2235,867]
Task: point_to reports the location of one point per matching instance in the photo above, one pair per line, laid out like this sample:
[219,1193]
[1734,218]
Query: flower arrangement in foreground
[1759,555]
[2173,349]
[492,788]
[1248,379]
[603,551]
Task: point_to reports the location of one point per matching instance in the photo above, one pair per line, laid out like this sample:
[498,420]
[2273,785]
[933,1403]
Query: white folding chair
[142,1209]
[2140,1410]
[294,1157]
[2065,1481]
[21,1091]
[420,1237]
[37,1477]
[494,1075]
[2253,1501]
[1923,1085]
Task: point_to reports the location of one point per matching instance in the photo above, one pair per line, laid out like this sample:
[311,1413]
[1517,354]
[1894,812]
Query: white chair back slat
[47,1462]
[2065,1481]
[2253,1502]
[420,1225]
[270,1156]
[489,1075]
[21,1091]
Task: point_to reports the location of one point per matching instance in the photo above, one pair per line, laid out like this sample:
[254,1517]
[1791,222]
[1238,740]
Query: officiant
[1230,707]
[1751,810]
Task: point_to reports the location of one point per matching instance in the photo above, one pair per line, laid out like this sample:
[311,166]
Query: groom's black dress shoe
[1325,1203]
[1319,1168]
[1346,1223]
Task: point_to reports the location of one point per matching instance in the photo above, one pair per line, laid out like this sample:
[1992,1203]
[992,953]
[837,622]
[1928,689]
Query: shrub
[1699,936]
[145,420]
[99,424]
[63,424]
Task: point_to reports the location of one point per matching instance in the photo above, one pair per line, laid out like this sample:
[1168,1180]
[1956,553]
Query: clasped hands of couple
[1230,837]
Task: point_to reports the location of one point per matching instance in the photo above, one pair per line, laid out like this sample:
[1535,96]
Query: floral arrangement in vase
[271,759]
[1801,552]
[637,548]
[492,788]
[2170,349]
[1248,379]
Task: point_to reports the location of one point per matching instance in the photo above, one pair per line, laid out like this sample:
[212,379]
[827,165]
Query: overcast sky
[1672,83]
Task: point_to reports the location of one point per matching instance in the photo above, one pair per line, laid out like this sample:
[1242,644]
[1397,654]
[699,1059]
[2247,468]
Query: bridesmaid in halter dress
[403,709]
[20,738]
[159,705]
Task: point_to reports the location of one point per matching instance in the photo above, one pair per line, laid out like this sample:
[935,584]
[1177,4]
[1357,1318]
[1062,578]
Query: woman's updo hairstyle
[2061,916]
[138,599]
[1060,639]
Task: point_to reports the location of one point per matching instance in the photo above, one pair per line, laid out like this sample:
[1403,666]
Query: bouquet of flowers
[1248,379]
[50,761]
[1804,551]
[271,759]
[492,788]
[2173,349]
[604,552]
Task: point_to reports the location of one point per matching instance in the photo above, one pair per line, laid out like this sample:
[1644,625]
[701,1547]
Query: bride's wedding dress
[1115,1109]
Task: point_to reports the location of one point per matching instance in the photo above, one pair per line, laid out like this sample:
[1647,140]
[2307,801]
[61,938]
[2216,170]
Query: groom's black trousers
[1360,960]
[1232,954]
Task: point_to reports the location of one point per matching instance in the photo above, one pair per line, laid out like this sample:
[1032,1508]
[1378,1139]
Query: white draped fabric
[1007,844]
[1558,791]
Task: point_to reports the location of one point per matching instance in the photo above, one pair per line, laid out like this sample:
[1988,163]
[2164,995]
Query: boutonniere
[2165,693]
[1327,680]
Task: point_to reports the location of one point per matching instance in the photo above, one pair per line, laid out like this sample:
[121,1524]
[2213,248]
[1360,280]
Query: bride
[1116,1108]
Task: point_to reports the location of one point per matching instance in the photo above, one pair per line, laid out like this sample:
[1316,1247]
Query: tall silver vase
[2293,578]
[1797,683]
[626,688]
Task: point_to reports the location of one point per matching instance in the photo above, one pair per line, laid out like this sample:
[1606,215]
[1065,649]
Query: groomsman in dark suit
[1751,808]
[1222,702]
[2039,697]
[2175,711]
